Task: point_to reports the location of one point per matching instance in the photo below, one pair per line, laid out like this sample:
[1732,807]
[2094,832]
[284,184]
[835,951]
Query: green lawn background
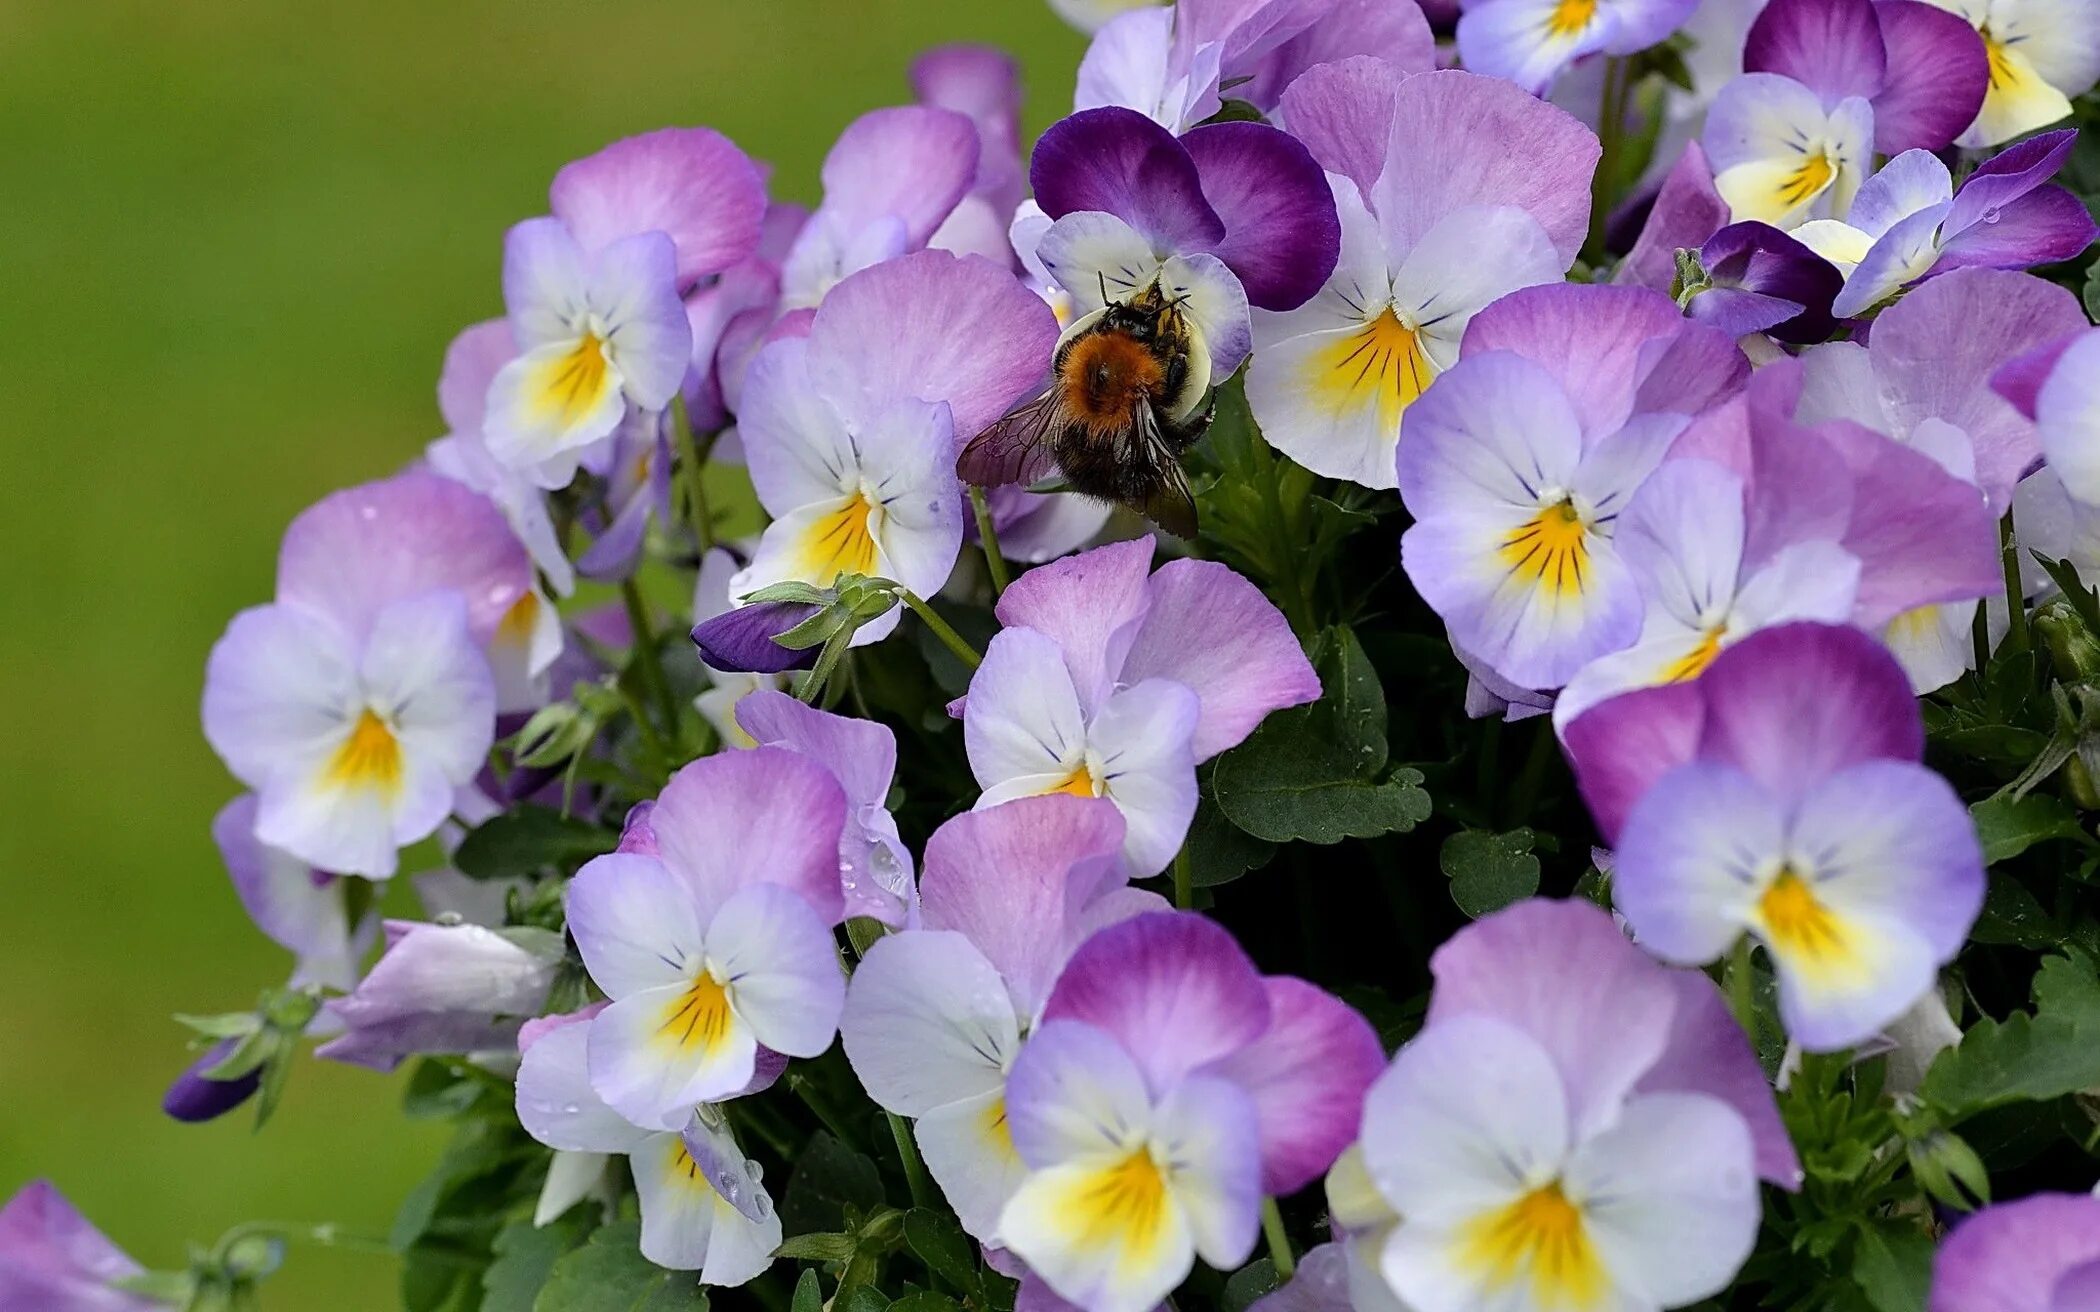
[235,236]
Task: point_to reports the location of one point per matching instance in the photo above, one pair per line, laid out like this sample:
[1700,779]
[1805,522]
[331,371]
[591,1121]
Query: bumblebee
[1128,395]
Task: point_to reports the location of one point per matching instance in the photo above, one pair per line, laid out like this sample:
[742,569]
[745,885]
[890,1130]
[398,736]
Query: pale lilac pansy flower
[890,181]
[1453,189]
[442,988]
[2040,1253]
[2043,54]
[1530,42]
[1518,464]
[851,432]
[1781,156]
[702,1206]
[1167,1090]
[875,868]
[300,908]
[727,687]
[1112,681]
[52,1257]
[362,698]
[1575,1126]
[718,942]
[1227,216]
[1780,795]
[983,84]
[936,1015]
[1172,65]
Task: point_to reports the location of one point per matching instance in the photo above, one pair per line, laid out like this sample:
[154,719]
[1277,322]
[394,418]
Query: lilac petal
[1621,746]
[909,163]
[354,552]
[1394,33]
[1707,1052]
[295,905]
[1092,605]
[2019,380]
[782,964]
[983,83]
[762,816]
[2045,226]
[616,551]
[1562,973]
[1687,211]
[471,362]
[1016,879]
[1172,987]
[1211,629]
[555,1101]
[861,753]
[1119,162]
[741,640]
[927,1023]
[1307,1074]
[2009,175]
[1937,76]
[1462,139]
[52,1257]
[634,924]
[1793,704]
[931,326]
[692,184]
[195,1097]
[1282,236]
[1923,536]
[1343,112]
[1833,47]
[2009,1257]
[1321,1283]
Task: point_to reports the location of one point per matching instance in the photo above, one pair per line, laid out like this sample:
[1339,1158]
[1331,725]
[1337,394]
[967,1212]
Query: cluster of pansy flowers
[1722,506]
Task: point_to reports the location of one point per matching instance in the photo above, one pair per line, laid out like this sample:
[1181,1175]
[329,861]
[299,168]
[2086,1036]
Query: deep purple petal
[1794,704]
[1687,211]
[2008,1258]
[1833,47]
[195,1097]
[1307,1074]
[2009,175]
[692,184]
[2019,380]
[1937,76]
[742,639]
[1119,162]
[1623,744]
[1172,987]
[1282,236]
[2045,226]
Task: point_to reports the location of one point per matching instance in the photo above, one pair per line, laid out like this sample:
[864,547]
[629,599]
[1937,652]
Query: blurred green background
[235,236]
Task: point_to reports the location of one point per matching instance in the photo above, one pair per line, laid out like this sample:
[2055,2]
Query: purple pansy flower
[1574,1126]
[703,1209]
[1453,189]
[1169,1087]
[296,906]
[357,702]
[1035,527]
[1227,216]
[1781,795]
[1760,280]
[851,432]
[2057,385]
[729,684]
[1920,71]
[719,942]
[693,185]
[891,180]
[1531,41]
[2042,54]
[1517,465]
[2040,1253]
[449,989]
[936,1015]
[54,1259]
[195,1096]
[984,85]
[1112,681]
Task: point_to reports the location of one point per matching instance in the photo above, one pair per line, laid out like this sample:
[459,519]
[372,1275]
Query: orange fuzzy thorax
[1105,376]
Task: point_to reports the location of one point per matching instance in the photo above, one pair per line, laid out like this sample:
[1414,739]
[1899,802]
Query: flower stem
[2016,638]
[1279,1242]
[692,460]
[1742,987]
[988,538]
[922,1194]
[1611,125]
[1184,879]
[645,657]
[952,640]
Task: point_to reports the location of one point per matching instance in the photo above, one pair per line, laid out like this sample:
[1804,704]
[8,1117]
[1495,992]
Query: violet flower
[53,1259]
[445,989]
[2040,1253]
[1760,280]
[195,1097]
[1530,42]
[1922,72]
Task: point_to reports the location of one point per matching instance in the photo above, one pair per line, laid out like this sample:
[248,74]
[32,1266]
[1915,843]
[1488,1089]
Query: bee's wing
[1170,505]
[1017,448]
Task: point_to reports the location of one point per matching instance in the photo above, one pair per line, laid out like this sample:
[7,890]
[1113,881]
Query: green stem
[692,459]
[988,538]
[812,685]
[654,741]
[1279,1242]
[1525,795]
[806,1090]
[922,1194]
[1184,879]
[645,657]
[1611,125]
[1742,987]
[2016,638]
[950,639]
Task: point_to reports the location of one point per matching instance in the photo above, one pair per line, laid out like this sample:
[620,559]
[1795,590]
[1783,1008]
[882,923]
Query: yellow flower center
[1806,183]
[1550,550]
[700,1018]
[841,542]
[517,623]
[570,387]
[1797,922]
[1381,363]
[997,1130]
[369,758]
[1570,17]
[1694,662]
[1079,783]
[1125,1204]
[1540,1236]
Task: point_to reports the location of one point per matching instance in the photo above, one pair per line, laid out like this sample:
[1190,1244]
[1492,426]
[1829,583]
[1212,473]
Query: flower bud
[195,1097]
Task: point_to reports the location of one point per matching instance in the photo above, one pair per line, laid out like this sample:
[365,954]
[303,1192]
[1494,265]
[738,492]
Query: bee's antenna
[1104,285]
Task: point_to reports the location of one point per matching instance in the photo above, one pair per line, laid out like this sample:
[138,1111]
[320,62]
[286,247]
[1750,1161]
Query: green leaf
[941,1244]
[1236,111]
[529,838]
[525,1257]
[2026,1058]
[863,1299]
[2092,292]
[829,1177]
[925,1300]
[2009,826]
[1312,772]
[609,1274]
[1248,1283]
[817,1246]
[1219,850]
[808,1297]
[1489,871]
[1893,1267]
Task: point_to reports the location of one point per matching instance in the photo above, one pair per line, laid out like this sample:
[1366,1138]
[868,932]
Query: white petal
[928,1022]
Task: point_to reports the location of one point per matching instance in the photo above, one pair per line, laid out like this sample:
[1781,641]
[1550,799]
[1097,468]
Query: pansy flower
[1781,155]
[1453,189]
[851,432]
[53,1257]
[983,84]
[936,1015]
[361,699]
[2040,1253]
[442,988]
[1227,216]
[703,1208]
[2043,54]
[1169,1087]
[1574,1127]
[1922,75]
[1112,681]
[1531,41]
[295,905]
[1756,279]
[1781,795]
[2057,385]
[1518,464]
